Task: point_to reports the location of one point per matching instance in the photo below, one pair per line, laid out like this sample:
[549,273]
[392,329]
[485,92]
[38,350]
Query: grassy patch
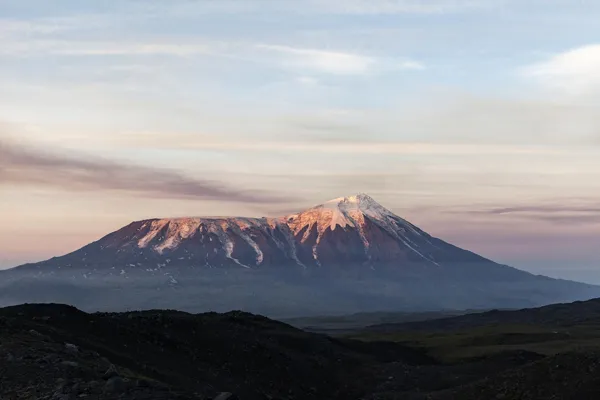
[457,346]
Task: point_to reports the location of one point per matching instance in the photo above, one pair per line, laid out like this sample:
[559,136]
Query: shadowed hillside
[566,314]
[58,352]
[157,353]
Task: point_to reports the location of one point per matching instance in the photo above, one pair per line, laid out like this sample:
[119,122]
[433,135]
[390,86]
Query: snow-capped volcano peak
[354,199]
[348,212]
[360,215]
[360,203]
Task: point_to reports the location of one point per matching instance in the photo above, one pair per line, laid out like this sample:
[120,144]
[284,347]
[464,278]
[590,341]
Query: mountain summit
[347,254]
[358,229]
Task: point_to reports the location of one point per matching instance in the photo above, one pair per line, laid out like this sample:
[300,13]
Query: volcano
[347,254]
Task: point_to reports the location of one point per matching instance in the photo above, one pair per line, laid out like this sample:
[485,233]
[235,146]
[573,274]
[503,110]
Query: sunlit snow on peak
[361,203]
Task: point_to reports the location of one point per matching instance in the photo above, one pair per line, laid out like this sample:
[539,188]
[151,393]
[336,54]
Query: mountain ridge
[370,234]
[350,254]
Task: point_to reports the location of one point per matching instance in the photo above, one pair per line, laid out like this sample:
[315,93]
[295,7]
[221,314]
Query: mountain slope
[347,255]
[353,230]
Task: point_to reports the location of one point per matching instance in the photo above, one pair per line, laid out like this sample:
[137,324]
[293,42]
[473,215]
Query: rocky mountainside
[349,254]
[349,231]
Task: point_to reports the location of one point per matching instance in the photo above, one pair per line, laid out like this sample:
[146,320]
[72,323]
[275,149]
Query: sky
[478,121]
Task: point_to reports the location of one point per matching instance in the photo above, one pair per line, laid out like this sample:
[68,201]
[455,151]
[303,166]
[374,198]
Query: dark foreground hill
[554,315]
[560,343]
[57,352]
[572,376]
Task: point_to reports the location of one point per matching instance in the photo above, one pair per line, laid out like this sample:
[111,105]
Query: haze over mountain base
[348,255]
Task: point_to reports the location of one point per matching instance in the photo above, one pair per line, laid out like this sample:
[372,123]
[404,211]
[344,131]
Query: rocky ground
[36,366]
[58,352]
[571,376]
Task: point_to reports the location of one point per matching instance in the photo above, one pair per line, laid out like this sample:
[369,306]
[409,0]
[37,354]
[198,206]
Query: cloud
[41,27]
[331,62]
[11,27]
[38,47]
[411,65]
[316,144]
[543,209]
[574,72]
[307,80]
[568,219]
[563,214]
[485,119]
[21,165]
[436,120]
[78,36]
[335,62]
[333,7]
[38,38]
[355,7]
[174,49]
[399,6]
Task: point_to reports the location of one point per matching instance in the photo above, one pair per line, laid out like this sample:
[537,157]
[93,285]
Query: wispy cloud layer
[193,142]
[320,7]
[415,65]
[574,72]
[398,6]
[43,47]
[20,165]
[336,62]
[545,209]
[332,62]
[295,59]
[570,212]
[354,7]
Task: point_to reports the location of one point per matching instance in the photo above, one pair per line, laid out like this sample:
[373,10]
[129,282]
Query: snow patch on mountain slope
[178,230]
[155,228]
[219,228]
[334,213]
[239,226]
[282,227]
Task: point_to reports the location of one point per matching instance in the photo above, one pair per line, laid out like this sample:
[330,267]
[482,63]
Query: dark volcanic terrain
[58,352]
